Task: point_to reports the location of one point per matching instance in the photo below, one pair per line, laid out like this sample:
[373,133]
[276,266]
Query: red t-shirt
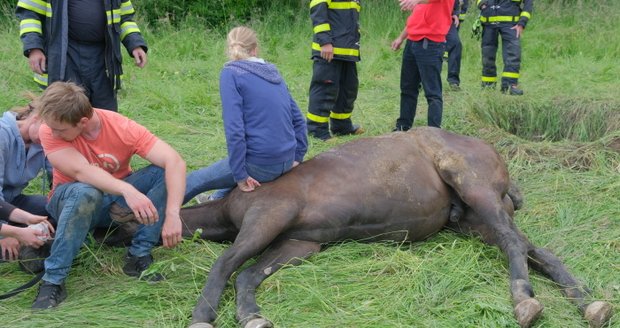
[118,140]
[430,20]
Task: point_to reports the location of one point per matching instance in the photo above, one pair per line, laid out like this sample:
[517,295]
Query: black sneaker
[322,135]
[488,85]
[135,266]
[49,296]
[355,129]
[512,90]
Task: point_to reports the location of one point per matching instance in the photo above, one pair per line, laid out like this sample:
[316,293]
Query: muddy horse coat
[412,184]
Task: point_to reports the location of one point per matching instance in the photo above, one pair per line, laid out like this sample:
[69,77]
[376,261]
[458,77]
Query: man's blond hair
[65,102]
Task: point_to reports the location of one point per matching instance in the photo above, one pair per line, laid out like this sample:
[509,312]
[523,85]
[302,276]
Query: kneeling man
[90,150]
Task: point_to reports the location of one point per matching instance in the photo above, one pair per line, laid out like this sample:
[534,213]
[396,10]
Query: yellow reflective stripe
[462,16]
[41,79]
[340,116]
[489,79]
[127,28]
[478,2]
[344,5]
[511,75]
[339,51]
[127,8]
[317,118]
[497,19]
[113,16]
[526,14]
[30,25]
[322,28]
[316,2]
[38,6]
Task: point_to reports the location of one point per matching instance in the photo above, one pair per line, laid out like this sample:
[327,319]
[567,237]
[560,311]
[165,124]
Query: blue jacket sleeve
[234,127]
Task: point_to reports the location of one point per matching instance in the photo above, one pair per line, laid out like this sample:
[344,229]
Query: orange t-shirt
[118,140]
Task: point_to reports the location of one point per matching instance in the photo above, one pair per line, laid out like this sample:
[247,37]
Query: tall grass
[570,179]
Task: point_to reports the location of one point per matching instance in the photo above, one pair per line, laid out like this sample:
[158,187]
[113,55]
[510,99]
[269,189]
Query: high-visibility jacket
[336,22]
[44,25]
[502,11]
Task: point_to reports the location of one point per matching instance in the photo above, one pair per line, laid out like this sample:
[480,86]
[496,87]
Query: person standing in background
[79,41]
[506,19]
[335,53]
[454,48]
[425,32]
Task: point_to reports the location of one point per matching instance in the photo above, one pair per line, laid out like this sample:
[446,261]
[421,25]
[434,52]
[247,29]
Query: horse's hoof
[528,311]
[258,323]
[201,325]
[598,313]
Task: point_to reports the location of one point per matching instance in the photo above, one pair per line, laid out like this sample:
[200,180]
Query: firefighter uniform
[334,84]
[498,18]
[44,24]
[454,47]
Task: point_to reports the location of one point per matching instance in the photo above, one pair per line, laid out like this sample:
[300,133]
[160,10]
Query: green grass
[560,142]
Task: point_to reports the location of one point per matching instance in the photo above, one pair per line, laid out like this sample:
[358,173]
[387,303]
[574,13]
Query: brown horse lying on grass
[417,182]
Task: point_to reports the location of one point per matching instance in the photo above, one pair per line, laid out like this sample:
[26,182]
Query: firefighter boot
[512,90]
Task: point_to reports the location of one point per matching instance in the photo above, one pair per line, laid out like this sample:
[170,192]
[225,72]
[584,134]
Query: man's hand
[409,4]
[36,60]
[248,185]
[140,56]
[327,52]
[397,43]
[519,29]
[171,231]
[142,207]
[455,20]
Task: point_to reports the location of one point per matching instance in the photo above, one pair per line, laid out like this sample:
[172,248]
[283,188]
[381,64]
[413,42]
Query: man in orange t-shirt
[90,150]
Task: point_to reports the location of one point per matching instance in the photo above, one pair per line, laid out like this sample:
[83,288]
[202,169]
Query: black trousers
[454,48]
[86,67]
[333,91]
[511,53]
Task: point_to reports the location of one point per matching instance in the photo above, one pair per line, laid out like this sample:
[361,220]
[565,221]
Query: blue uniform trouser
[333,91]
[422,61]
[511,53]
[79,208]
[86,66]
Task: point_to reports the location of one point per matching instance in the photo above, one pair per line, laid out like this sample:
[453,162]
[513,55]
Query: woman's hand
[10,248]
[248,185]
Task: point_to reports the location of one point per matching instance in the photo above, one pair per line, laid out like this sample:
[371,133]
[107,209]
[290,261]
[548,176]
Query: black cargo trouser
[454,47]
[333,91]
[511,53]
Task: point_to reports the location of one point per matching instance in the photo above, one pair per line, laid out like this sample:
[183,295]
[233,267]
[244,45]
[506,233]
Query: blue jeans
[219,176]
[422,61]
[79,208]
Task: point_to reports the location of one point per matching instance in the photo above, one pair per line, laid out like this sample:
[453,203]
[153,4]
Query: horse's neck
[208,217]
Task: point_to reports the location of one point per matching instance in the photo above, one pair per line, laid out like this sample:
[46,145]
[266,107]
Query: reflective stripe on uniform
[38,6]
[339,51]
[510,75]
[340,116]
[127,8]
[322,28]
[498,19]
[337,5]
[41,79]
[526,14]
[127,28]
[30,25]
[114,16]
[317,118]
[489,79]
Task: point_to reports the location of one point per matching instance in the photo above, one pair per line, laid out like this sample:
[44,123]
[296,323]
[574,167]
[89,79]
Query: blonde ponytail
[241,42]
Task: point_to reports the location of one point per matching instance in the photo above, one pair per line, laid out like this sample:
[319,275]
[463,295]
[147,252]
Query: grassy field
[561,142]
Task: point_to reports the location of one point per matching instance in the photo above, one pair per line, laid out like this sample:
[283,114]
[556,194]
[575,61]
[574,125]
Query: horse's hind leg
[284,252]
[597,313]
[490,218]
